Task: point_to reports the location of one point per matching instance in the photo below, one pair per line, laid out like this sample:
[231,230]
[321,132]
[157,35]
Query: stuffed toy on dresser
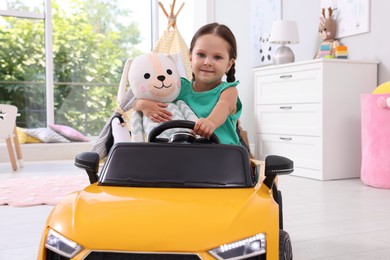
[327,30]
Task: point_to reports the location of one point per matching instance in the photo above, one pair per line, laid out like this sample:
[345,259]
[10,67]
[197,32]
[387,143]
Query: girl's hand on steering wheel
[204,127]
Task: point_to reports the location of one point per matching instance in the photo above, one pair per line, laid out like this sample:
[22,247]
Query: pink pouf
[375,170]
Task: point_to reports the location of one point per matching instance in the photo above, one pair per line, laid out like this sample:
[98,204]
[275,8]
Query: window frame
[47,18]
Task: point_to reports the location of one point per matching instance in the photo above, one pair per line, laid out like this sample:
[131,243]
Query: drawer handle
[285,138]
[286,107]
[286,76]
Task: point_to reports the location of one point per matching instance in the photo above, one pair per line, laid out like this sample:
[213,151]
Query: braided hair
[225,33]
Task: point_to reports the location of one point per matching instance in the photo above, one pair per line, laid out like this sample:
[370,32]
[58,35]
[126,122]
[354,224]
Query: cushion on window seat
[69,133]
[46,135]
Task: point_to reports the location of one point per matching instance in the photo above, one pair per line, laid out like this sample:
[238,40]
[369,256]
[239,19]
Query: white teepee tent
[172,43]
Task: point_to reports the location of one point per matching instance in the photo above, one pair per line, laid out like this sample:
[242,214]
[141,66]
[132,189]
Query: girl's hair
[225,33]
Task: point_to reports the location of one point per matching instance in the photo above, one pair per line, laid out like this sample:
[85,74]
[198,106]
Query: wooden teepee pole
[171,16]
[163,9]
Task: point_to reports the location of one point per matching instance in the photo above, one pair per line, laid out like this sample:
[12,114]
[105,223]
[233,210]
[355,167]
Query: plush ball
[383,102]
[382,89]
[154,77]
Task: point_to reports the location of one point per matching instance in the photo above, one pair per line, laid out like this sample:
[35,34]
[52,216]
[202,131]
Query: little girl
[213,51]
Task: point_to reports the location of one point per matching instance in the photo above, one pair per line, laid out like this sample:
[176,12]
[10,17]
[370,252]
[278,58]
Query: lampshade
[284,32]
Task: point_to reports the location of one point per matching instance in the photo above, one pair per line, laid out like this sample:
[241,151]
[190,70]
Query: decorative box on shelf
[310,112]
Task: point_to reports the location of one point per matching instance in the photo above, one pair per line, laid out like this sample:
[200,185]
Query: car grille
[135,256]
[50,255]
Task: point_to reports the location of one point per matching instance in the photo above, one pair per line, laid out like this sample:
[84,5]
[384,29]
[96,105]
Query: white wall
[203,13]
[307,14]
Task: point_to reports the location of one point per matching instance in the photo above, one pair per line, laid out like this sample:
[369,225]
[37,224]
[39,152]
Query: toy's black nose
[161,78]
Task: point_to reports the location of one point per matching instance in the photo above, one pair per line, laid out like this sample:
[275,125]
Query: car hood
[162,219]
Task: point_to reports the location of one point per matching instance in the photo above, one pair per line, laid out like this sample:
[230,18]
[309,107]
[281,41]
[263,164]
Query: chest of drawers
[310,112]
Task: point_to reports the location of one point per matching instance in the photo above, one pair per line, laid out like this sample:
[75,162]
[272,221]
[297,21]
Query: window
[88,42]
[91,39]
[22,59]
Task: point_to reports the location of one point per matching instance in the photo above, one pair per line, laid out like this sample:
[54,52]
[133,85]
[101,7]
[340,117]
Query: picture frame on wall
[263,14]
[352,16]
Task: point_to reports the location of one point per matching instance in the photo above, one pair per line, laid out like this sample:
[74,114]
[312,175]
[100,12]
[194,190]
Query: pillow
[46,135]
[69,133]
[25,138]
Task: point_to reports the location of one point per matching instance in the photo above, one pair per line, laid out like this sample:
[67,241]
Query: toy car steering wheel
[182,137]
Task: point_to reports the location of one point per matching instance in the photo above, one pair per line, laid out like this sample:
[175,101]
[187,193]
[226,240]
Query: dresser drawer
[289,87]
[294,119]
[305,151]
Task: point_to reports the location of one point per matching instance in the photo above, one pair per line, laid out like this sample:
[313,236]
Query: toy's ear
[122,85]
[178,62]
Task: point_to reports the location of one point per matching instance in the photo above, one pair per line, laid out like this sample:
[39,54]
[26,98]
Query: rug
[39,190]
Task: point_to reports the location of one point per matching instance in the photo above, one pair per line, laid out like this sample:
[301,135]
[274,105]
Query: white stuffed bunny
[154,77]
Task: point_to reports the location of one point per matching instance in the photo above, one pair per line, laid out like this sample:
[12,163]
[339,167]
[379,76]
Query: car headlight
[244,248]
[61,245]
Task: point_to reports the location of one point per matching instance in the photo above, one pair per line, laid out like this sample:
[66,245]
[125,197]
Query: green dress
[202,103]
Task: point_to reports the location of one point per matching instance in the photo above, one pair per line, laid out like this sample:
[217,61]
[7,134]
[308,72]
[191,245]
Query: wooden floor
[335,220]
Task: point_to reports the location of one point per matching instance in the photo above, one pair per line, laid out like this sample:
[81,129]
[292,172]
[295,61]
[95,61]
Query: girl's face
[210,60]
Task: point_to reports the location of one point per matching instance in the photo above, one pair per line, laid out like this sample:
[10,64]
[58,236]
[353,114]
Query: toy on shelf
[341,52]
[327,32]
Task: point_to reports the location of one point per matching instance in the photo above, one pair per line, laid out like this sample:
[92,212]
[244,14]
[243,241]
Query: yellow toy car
[181,199]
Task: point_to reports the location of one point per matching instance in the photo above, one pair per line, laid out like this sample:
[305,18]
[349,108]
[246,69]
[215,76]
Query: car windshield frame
[177,166]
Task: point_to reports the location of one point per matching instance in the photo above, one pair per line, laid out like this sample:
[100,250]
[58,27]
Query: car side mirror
[89,161]
[276,165]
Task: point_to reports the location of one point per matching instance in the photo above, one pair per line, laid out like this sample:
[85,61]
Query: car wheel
[285,248]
